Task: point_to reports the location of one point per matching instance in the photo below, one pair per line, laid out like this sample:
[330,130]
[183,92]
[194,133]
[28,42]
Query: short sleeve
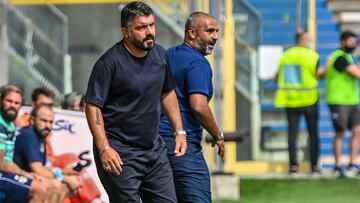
[198,78]
[2,139]
[169,81]
[341,63]
[99,84]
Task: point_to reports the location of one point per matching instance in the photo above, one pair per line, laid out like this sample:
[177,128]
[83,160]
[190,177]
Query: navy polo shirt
[29,148]
[193,75]
[128,91]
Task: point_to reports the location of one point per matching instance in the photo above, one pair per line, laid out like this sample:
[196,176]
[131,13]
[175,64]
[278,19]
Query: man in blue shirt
[16,185]
[194,90]
[30,154]
[127,88]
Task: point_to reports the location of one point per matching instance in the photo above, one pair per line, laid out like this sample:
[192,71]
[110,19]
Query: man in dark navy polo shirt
[30,154]
[194,90]
[127,87]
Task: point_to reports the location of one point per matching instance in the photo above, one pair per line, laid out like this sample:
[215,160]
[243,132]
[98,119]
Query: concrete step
[343,5]
[225,186]
[355,27]
[349,17]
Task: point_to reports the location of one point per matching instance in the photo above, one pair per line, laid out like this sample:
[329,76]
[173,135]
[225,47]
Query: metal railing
[174,12]
[178,10]
[248,35]
[37,38]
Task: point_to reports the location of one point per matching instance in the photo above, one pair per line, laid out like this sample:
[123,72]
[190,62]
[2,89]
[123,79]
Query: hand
[40,179]
[73,182]
[28,175]
[37,177]
[111,161]
[221,145]
[33,176]
[180,145]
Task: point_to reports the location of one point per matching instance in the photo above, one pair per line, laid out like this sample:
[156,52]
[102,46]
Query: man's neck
[133,50]
[301,45]
[189,43]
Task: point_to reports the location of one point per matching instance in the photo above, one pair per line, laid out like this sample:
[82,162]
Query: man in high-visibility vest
[298,93]
[342,95]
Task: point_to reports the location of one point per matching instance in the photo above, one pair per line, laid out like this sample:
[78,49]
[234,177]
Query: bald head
[193,20]
[302,38]
[201,32]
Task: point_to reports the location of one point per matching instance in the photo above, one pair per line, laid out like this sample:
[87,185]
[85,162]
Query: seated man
[16,185]
[89,191]
[30,153]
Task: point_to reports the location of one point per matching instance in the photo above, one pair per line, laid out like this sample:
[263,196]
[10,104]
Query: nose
[148,29]
[215,36]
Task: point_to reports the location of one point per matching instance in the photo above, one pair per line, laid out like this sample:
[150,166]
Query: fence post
[312,20]
[229,98]
[4,65]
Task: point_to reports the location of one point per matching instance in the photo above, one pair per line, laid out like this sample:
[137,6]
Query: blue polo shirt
[193,75]
[29,148]
[128,91]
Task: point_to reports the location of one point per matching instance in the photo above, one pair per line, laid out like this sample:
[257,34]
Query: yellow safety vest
[297,80]
[341,87]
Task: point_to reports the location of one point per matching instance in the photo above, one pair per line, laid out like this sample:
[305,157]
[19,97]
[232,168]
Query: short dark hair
[10,88]
[37,108]
[41,91]
[133,10]
[192,19]
[346,35]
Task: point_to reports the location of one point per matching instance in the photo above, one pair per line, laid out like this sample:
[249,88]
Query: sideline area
[296,190]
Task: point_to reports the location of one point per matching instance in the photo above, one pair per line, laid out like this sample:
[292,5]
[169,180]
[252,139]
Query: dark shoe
[338,173]
[293,169]
[315,171]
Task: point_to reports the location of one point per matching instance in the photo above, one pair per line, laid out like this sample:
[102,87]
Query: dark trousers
[191,174]
[148,177]
[311,117]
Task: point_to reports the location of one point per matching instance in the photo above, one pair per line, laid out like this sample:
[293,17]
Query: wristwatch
[220,137]
[180,132]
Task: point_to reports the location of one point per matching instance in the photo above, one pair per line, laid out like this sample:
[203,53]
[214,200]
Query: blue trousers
[191,174]
[14,188]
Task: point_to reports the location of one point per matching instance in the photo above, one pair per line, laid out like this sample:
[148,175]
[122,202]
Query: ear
[125,32]
[192,33]
[345,42]
[32,120]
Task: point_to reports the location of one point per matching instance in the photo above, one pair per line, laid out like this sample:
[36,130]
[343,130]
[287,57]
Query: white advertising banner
[269,61]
